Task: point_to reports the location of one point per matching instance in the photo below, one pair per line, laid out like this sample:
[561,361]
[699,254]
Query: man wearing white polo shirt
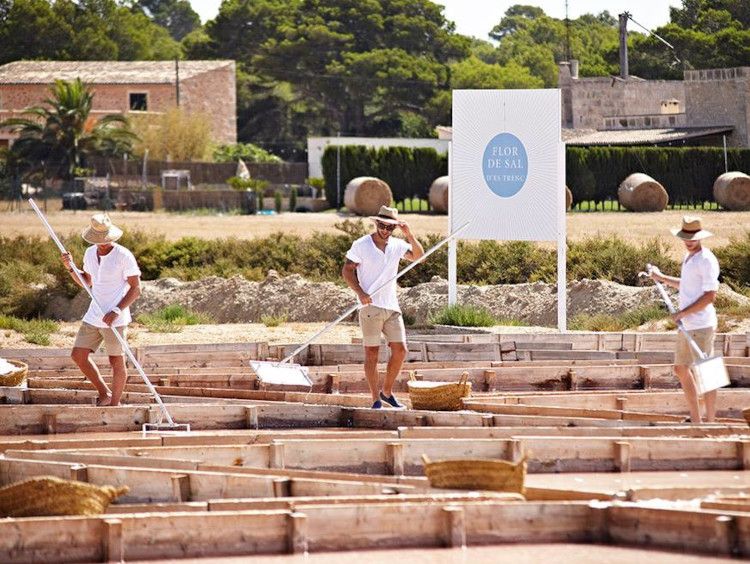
[112,273]
[698,284]
[372,261]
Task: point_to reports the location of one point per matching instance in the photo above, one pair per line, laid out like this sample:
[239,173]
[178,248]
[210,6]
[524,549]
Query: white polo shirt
[700,274]
[375,267]
[109,282]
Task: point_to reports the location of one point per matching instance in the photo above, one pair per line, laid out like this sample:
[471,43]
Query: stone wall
[720,97]
[594,99]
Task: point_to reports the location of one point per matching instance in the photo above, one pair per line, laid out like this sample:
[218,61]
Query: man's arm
[133,293]
[68,262]
[672,281]
[417,250]
[349,273]
[701,303]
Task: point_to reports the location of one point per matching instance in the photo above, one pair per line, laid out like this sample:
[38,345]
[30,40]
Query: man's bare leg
[398,355]
[119,377]
[82,358]
[690,391]
[371,371]
[709,399]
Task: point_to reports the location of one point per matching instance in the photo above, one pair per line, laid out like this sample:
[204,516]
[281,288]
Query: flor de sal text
[505,165]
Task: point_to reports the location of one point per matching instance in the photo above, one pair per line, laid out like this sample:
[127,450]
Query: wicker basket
[17,377]
[476,474]
[46,496]
[438,396]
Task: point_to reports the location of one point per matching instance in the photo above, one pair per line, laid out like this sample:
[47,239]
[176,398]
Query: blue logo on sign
[505,165]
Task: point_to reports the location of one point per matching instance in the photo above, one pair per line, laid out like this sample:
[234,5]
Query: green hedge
[593,173]
[408,171]
[687,173]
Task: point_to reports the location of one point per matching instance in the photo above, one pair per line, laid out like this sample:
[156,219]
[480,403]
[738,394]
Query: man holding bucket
[112,273]
[698,284]
[371,262]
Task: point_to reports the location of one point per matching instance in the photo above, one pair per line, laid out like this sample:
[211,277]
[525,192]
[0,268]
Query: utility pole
[624,71]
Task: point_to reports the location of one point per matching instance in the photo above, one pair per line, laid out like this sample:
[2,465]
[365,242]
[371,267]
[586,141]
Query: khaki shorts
[90,337]
[375,320]
[684,354]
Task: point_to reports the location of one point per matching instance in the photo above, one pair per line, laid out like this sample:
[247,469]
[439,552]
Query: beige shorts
[684,354]
[375,320]
[90,337]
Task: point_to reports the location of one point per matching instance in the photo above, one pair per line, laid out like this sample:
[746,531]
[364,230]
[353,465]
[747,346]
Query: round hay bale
[732,191]
[568,198]
[439,194]
[641,193]
[365,194]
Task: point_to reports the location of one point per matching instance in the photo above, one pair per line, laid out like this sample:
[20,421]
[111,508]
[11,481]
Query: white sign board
[507,167]
[507,174]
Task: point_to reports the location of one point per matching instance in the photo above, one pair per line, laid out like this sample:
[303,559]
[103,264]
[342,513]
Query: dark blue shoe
[392,401]
[377,405]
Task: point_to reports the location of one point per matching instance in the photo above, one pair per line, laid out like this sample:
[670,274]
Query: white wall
[317,145]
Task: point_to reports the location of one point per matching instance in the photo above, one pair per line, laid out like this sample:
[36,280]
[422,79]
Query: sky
[477,17]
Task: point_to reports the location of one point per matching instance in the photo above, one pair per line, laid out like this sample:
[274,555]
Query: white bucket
[710,374]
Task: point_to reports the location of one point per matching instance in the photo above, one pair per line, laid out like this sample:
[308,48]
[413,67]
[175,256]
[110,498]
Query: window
[138,101]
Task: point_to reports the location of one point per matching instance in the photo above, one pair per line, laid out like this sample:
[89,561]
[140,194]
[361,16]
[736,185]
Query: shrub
[464,316]
[277,201]
[246,151]
[171,319]
[607,322]
[734,260]
[293,199]
[36,331]
[273,320]
[175,134]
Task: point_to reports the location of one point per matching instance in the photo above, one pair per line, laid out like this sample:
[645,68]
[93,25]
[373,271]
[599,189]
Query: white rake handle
[672,309]
[357,306]
[122,341]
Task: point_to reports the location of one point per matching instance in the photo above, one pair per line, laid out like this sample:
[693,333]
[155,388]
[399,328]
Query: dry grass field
[634,227]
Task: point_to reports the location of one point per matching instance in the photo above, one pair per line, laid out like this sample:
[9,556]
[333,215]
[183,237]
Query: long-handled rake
[287,373]
[170,425]
[710,372]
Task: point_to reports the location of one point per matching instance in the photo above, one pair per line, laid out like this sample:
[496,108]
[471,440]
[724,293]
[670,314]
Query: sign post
[507,173]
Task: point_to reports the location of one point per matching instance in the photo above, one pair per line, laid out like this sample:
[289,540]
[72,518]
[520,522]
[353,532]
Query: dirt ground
[635,227]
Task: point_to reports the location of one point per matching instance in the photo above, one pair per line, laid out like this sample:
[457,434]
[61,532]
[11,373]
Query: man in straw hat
[112,273]
[698,284]
[371,262]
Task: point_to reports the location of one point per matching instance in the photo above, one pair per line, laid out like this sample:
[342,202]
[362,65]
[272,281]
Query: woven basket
[476,474]
[46,496]
[17,377]
[438,396]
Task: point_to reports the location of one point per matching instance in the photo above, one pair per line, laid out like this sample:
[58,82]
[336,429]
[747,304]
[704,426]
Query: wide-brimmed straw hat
[387,215]
[101,230]
[691,230]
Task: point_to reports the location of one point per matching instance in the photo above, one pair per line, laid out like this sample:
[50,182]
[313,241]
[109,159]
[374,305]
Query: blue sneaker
[377,405]
[392,401]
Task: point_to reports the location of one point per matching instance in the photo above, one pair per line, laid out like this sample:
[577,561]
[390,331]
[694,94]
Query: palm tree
[63,133]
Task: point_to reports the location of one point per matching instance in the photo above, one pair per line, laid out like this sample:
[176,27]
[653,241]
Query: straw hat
[101,230]
[387,215]
[692,230]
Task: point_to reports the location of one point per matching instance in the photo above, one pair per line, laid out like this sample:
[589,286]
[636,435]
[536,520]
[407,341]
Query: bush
[293,199]
[687,173]
[246,151]
[408,171]
[627,320]
[171,319]
[273,320]
[35,331]
[277,201]
[734,260]
[464,316]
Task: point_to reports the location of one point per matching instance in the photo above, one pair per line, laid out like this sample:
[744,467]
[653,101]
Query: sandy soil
[286,333]
[634,227]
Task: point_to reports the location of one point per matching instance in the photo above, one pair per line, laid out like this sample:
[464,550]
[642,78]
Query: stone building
[129,87]
[702,109]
